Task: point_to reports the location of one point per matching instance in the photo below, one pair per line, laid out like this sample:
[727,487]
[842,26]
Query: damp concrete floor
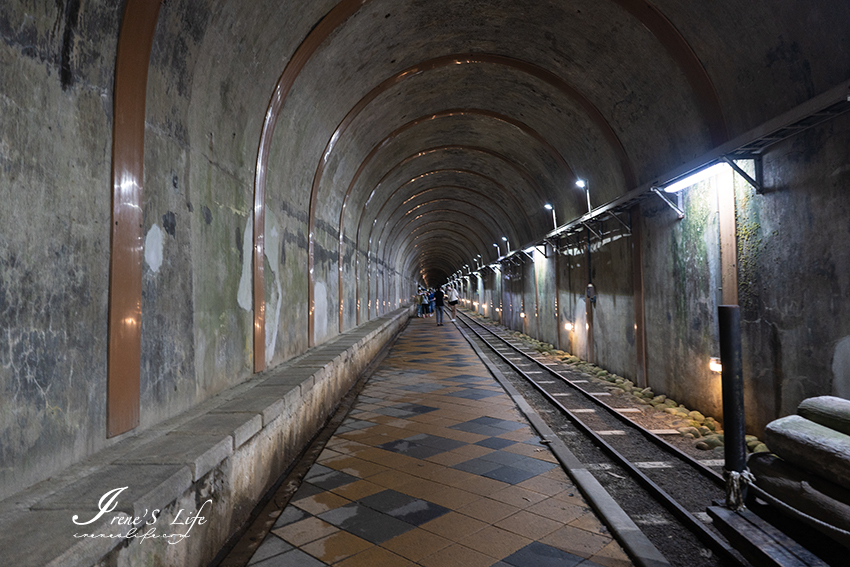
[435,466]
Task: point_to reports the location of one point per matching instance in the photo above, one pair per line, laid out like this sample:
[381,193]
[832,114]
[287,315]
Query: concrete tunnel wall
[478,129]
[793,269]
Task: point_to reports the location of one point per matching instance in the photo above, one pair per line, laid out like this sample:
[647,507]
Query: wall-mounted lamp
[522,315]
[498,250]
[714,365]
[549,207]
[507,245]
[582,184]
[695,178]
[568,326]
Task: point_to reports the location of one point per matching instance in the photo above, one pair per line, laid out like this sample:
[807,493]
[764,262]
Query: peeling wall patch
[153,248]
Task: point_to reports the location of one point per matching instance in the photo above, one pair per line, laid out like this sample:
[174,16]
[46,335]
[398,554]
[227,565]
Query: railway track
[663,490]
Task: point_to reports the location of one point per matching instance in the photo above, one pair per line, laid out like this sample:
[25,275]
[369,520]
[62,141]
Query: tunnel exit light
[695,178]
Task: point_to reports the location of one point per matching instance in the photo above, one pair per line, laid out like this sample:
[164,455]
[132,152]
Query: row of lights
[580,183]
[714,363]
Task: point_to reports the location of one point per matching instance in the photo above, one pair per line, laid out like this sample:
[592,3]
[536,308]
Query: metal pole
[735,448]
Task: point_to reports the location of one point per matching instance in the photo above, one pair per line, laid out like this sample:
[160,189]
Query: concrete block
[200,452]
[257,400]
[240,425]
[288,376]
[148,487]
[45,538]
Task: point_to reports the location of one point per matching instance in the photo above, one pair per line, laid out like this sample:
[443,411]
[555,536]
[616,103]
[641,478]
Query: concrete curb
[215,460]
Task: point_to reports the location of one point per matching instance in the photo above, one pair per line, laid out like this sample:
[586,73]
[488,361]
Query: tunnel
[200,195]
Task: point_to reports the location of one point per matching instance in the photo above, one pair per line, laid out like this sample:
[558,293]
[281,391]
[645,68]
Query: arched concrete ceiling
[439,126]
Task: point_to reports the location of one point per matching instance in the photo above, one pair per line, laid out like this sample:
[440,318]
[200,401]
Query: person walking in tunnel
[431,302]
[421,303]
[438,305]
[453,299]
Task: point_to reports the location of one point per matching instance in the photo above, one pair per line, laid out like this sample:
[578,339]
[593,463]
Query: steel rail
[712,475]
[696,526]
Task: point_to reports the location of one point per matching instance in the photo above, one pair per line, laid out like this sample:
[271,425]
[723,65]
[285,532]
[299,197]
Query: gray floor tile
[270,547]
[290,515]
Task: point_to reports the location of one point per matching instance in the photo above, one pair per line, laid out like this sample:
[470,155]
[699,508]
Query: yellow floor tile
[591,523]
[328,454]
[423,469]
[385,458]
[321,502]
[336,547]
[366,414]
[457,556]
[453,477]
[495,542]
[571,496]
[546,486]
[345,446]
[482,485]
[393,479]
[391,431]
[488,510]
[305,531]
[358,489]
[447,459]
[472,451]
[612,555]
[533,451]
[463,436]
[355,466]
[416,544]
[446,496]
[559,510]
[517,496]
[518,435]
[375,557]
[529,525]
[415,427]
[454,526]
[576,541]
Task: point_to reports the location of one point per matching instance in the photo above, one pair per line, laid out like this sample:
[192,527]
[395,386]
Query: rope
[736,486]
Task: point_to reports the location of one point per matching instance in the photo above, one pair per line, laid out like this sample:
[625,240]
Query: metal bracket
[757,183]
[678,209]
[587,226]
[626,226]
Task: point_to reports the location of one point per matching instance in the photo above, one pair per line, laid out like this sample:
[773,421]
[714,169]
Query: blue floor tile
[477,466]
[537,554]
[365,522]
[495,443]
[509,474]
[406,508]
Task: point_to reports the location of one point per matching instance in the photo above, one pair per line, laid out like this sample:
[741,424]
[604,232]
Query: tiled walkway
[435,466]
